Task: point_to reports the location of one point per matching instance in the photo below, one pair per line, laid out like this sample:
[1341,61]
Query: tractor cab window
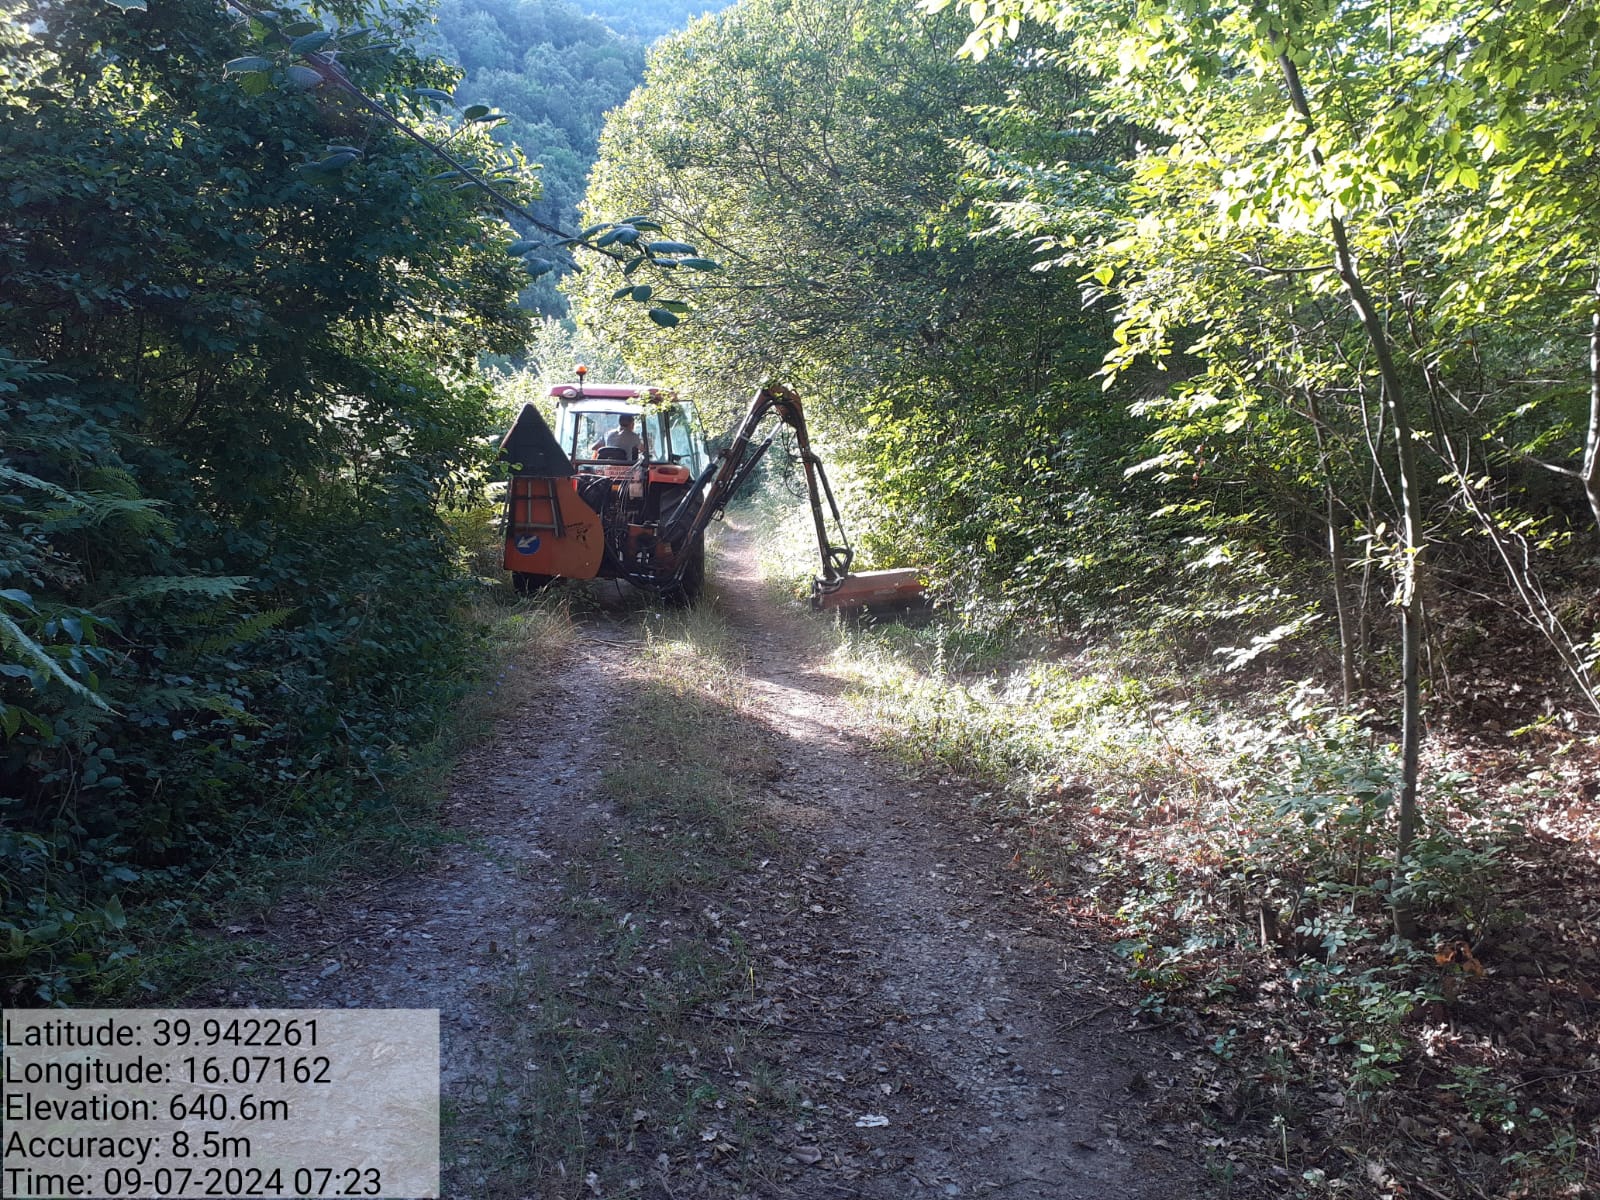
[670,430]
[598,435]
[590,428]
[655,431]
[678,444]
[681,440]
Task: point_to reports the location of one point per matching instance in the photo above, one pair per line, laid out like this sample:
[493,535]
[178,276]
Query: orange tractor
[633,502]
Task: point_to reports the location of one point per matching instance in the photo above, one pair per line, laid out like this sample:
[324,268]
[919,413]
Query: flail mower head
[893,593]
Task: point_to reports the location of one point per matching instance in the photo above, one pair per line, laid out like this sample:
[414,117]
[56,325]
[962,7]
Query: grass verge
[638,1070]
[1231,847]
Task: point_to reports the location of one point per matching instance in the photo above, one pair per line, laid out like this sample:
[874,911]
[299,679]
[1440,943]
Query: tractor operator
[623,437]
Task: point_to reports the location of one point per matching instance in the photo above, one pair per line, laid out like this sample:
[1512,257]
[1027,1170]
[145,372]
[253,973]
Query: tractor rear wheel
[528,583]
[693,580]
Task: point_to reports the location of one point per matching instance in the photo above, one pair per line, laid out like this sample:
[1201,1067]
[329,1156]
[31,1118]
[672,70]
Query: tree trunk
[1591,441]
[1364,601]
[1336,560]
[1341,604]
[1410,523]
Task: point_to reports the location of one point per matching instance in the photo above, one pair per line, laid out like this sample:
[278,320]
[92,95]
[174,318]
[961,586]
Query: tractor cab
[580,508]
[585,415]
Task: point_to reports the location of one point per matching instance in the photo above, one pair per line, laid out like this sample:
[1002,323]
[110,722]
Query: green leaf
[538,266]
[642,292]
[17,596]
[615,235]
[592,230]
[700,264]
[248,65]
[675,306]
[625,290]
[428,93]
[671,248]
[303,77]
[310,43]
[129,5]
[521,246]
[632,266]
[663,318]
[336,162]
[475,112]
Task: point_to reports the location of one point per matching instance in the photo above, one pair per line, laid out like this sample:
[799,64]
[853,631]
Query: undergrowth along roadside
[229,608]
[636,1065]
[1231,850]
[197,940]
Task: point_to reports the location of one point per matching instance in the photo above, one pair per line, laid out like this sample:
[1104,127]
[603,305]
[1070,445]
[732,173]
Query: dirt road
[860,999]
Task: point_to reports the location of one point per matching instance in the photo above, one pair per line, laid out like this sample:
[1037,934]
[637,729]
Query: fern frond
[112,481]
[14,639]
[245,631]
[218,587]
[180,699]
[87,509]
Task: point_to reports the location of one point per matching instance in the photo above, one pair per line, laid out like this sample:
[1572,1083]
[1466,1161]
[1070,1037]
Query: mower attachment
[877,590]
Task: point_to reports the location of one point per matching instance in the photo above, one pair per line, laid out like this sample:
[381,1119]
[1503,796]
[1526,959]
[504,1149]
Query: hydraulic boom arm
[724,478]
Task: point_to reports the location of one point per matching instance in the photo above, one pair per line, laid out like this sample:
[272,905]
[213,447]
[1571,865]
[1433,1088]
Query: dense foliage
[816,154]
[1351,222]
[237,338]
[839,163]
[1237,331]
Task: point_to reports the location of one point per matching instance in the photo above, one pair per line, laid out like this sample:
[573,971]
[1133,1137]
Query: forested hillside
[554,73]
[554,69]
[648,20]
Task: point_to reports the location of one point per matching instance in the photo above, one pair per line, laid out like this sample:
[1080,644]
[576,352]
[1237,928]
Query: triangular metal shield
[532,449]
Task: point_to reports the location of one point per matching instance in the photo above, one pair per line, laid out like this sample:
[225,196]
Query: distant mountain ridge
[555,71]
[651,19]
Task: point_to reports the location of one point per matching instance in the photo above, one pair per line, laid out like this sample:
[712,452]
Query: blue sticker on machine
[528,544]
